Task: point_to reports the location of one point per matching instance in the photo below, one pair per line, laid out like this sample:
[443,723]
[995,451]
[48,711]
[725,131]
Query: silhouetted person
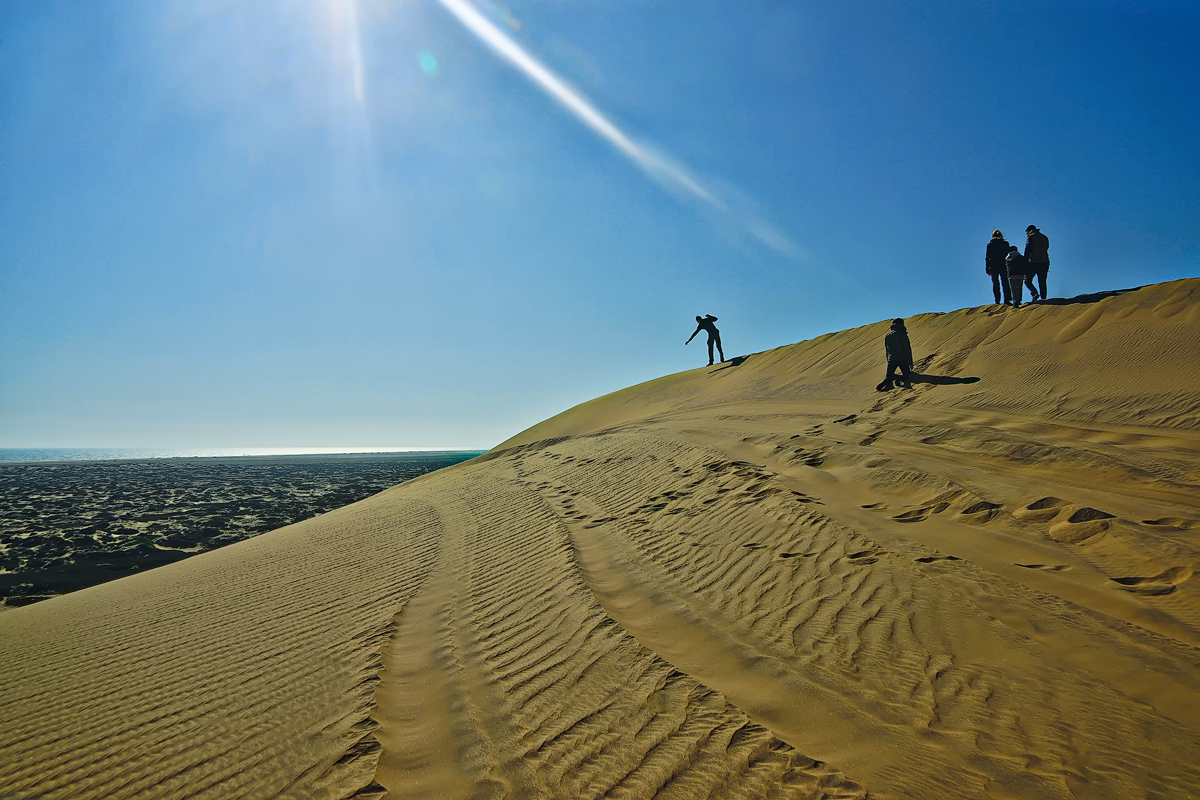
[705,323]
[993,261]
[1037,253]
[1018,272]
[899,356]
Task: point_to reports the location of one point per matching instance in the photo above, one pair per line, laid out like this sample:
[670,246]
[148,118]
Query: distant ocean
[12,454]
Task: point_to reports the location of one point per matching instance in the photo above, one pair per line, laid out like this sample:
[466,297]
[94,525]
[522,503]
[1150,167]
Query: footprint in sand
[921,514]
[1042,510]
[1082,525]
[754,546]
[864,556]
[1047,567]
[876,507]
[809,458]
[933,559]
[978,513]
[1174,522]
[1155,585]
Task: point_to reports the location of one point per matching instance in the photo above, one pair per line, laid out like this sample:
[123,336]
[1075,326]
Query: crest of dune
[762,579]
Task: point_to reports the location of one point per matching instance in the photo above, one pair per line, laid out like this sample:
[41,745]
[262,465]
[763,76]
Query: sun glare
[655,163]
[343,16]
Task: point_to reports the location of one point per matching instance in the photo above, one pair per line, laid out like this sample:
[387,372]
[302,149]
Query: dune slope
[762,579]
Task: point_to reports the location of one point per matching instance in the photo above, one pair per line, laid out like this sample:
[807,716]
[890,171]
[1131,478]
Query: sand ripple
[757,581]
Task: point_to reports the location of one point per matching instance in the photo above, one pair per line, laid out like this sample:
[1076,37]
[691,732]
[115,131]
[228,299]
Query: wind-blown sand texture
[752,580]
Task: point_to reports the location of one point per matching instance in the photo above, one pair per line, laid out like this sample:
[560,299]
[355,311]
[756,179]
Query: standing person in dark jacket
[993,261]
[705,323]
[1018,273]
[899,356]
[1037,253]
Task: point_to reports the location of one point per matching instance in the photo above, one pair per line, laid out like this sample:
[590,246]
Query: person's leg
[996,287]
[906,371]
[1004,289]
[720,352]
[1014,288]
[710,346]
[888,380]
[1041,276]
[1033,293]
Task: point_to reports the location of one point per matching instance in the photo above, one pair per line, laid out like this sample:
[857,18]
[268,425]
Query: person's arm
[693,336]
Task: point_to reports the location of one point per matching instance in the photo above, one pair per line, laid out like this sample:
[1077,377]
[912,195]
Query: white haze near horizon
[35,454]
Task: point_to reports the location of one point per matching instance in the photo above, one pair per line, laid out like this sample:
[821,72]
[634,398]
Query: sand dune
[762,579]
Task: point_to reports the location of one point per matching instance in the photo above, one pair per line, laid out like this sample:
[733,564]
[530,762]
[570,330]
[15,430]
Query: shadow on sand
[920,377]
[737,361]
[940,380]
[1094,297]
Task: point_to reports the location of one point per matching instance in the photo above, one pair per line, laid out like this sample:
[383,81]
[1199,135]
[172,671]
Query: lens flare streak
[569,97]
[344,18]
[655,165]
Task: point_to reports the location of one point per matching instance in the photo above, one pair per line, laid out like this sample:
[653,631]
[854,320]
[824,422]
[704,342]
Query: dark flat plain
[67,525]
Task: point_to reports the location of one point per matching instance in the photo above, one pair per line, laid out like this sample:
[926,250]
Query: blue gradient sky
[327,223]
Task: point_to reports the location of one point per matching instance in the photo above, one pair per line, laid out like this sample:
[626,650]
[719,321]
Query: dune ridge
[759,579]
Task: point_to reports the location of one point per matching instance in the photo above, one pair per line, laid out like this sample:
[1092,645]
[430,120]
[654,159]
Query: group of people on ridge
[1010,269]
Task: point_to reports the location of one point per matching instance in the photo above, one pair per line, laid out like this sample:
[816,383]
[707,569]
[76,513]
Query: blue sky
[333,223]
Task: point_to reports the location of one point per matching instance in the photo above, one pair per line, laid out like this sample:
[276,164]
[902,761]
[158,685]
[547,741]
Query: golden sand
[760,579]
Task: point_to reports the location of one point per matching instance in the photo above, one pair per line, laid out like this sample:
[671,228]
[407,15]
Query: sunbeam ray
[663,170]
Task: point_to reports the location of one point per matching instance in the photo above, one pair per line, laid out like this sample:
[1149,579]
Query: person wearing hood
[898,350]
[993,261]
[1037,253]
[1018,273]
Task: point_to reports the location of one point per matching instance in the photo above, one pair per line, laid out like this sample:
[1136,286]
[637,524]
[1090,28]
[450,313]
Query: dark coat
[1016,264]
[997,249]
[1037,248]
[897,347]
